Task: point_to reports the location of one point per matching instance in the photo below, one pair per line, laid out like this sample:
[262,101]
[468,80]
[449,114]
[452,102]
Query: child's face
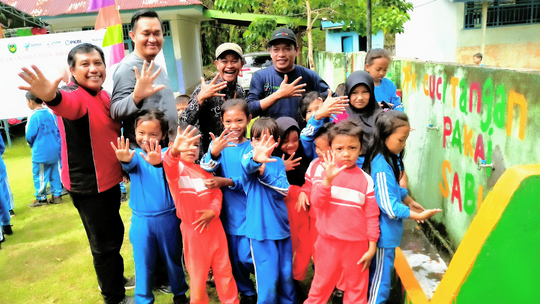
[321,145]
[290,142]
[257,141]
[236,121]
[180,107]
[147,130]
[359,98]
[192,155]
[347,149]
[476,60]
[378,69]
[313,107]
[396,141]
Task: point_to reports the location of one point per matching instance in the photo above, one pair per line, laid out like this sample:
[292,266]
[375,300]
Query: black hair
[386,124]
[306,100]
[340,89]
[144,13]
[376,54]
[346,128]
[182,99]
[30,96]
[323,131]
[155,114]
[235,103]
[478,55]
[83,48]
[265,124]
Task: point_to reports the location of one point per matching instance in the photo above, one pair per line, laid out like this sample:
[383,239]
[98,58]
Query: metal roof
[66,7]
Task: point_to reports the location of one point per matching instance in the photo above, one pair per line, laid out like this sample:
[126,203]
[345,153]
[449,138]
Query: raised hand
[153,150]
[220,143]
[290,90]
[332,106]
[329,166]
[40,86]
[263,153]
[210,90]
[204,220]
[303,202]
[122,152]
[144,87]
[291,163]
[183,140]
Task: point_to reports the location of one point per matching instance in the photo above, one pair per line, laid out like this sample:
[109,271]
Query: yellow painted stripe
[415,294]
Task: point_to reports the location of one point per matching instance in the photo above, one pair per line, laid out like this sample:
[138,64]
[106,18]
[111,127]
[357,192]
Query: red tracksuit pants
[205,250]
[301,238]
[335,259]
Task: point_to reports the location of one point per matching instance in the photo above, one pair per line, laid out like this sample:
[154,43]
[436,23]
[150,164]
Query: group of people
[317,179]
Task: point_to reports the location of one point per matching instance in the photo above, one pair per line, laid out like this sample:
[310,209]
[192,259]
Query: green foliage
[214,34]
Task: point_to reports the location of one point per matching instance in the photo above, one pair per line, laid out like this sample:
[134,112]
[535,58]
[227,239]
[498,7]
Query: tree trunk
[300,46]
[310,37]
[368,24]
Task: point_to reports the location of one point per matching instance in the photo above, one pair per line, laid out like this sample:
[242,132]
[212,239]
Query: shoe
[38,203]
[11,213]
[128,300]
[338,297]
[210,281]
[129,284]
[64,191]
[250,299]
[123,198]
[6,229]
[55,200]
[181,299]
[166,289]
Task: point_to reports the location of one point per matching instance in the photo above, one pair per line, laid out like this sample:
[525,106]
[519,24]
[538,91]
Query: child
[267,224]
[377,62]
[5,219]
[43,137]
[154,225]
[383,163]
[205,244]
[477,59]
[181,104]
[224,157]
[347,219]
[340,89]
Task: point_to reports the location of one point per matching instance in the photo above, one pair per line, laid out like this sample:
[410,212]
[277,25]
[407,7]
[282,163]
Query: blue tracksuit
[233,211]
[267,227]
[386,91]
[389,196]
[43,137]
[309,133]
[155,228]
[5,219]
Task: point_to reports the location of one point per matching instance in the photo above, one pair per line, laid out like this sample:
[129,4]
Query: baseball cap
[283,34]
[229,47]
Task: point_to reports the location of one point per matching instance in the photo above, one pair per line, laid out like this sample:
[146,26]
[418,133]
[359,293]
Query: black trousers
[100,214]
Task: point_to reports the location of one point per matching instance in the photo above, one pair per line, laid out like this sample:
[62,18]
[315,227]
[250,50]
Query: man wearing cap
[204,107]
[276,91]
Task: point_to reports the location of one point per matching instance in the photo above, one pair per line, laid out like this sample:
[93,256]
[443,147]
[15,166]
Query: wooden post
[368,24]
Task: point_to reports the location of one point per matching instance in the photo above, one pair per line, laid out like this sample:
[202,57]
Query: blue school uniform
[389,196]
[155,228]
[268,229]
[5,219]
[233,211]
[386,91]
[309,133]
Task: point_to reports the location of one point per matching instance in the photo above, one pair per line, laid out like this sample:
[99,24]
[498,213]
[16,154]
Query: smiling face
[257,141]
[89,70]
[359,97]
[313,107]
[321,145]
[283,55]
[192,155]
[397,140]
[229,66]
[148,130]
[378,69]
[291,142]
[347,149]
[148,38]
[236,121]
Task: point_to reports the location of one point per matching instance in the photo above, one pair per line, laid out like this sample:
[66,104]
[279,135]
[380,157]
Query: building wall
[187,45]
[333,40]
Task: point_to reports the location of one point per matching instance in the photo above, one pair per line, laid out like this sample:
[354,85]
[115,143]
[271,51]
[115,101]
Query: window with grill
[502,13]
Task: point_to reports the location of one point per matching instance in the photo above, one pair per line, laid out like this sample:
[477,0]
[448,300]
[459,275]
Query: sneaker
[181,299]
[338,297]
[38,203]
[128,300]
[166,289]
[129,284]
[11,213]
[55,200]
[249,299]
[123,198]
[6,229]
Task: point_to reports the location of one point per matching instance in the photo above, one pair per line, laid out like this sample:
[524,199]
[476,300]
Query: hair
[235,103]
[182,99]
[386,124]
[478,55]
[376,54]
[155,114]
[265,124]
[347,128]
[323,131]
[83,48]
[340,89]
[183,126]
[144,13]
[306,100]
[30,96]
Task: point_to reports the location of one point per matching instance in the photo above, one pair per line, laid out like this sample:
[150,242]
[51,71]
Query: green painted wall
[506,269]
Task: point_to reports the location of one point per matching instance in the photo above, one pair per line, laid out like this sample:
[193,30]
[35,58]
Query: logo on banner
[53,43]
[12,47]
[28,45]
[68,42]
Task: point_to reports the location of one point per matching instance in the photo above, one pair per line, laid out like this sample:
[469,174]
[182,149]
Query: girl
[155,228]
[377,62]
[383,162]
[224,158]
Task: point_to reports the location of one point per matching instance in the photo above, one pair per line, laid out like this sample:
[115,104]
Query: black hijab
[296,176]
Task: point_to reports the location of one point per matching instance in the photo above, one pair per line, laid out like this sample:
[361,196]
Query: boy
[267,223]
[347,219]
[477,59]
[43,137]
[181,103]
[205,244]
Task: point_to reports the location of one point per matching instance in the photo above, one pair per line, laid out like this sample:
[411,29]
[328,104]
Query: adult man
[204,107]
[90,170]
[276,90]
[128,98]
